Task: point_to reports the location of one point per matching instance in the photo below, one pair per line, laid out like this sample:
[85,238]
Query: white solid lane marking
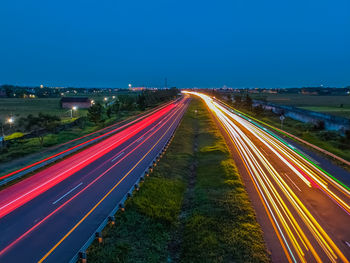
[63,196]
[117,157]
[292,182]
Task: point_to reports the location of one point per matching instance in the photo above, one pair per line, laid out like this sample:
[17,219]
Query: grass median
[193,207]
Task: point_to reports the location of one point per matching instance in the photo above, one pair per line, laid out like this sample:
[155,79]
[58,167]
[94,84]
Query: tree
[237,101]
[141,101]
[109,112]
[95,113]
[248,102]
[115,107]
[319,125]
[41,124]
[127,103]
[259,110]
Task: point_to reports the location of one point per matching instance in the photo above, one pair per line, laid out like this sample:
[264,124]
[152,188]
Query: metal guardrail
[332,155]
[315,147]
[33,168]
[81,254]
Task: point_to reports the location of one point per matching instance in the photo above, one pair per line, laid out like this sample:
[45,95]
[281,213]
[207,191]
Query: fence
[81,254]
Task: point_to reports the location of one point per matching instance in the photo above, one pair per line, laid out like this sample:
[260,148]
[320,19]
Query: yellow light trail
[294,222]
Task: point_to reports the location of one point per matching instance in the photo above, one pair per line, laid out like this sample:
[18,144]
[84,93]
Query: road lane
[99,176]
[307,207]
[75,144]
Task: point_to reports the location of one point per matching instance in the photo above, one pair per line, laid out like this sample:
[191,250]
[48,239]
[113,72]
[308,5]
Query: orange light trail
[301,233]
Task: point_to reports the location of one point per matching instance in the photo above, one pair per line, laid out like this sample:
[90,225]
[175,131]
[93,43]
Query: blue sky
[245,43]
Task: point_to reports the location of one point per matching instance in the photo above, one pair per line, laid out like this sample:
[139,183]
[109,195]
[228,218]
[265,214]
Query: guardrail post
[112,220]
[137,188]
[99,237]
[82,256]
[122,208]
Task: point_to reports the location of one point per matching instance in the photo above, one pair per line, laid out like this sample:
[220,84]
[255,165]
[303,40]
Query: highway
[49,216]
[303,209]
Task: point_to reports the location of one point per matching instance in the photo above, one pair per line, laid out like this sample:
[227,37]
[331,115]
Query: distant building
[79,102]
[136,88]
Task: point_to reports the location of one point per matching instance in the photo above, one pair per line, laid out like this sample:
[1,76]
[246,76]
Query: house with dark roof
[79,102]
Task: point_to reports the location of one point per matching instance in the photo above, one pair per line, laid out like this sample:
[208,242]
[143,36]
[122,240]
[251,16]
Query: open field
[22,107]
[328,140]
[26,147]
[325,104]
[193,207]
[342,112]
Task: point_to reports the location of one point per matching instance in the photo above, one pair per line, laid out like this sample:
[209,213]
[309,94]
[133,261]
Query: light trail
[162,122]
[302,235]
[57,173]
[138,118]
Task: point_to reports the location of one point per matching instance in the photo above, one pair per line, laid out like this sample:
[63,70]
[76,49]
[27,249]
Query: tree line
[40,125]
[99,113]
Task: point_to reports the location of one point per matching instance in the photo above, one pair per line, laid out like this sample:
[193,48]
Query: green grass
[324,104]
[142,232]
[337,111]
[222,226]
[328,140]
[24,147]
[218,223]
[334,144]
[22,107]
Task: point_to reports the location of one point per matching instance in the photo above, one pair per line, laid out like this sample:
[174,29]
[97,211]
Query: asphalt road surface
[303,209]
[49,216]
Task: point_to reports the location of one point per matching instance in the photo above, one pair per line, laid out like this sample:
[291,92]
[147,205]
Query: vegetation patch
[315,133]
[143,231]
[50,128]
[218,224]
[161,199]
[222,226]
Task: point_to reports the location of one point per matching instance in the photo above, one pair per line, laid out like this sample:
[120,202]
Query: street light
[74,108]
[10,120]
[105,99]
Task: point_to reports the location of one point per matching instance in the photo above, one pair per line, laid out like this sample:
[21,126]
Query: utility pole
[282,119]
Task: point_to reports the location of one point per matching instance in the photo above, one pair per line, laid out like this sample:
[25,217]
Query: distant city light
[74,108]
[10,120]
[105,98]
